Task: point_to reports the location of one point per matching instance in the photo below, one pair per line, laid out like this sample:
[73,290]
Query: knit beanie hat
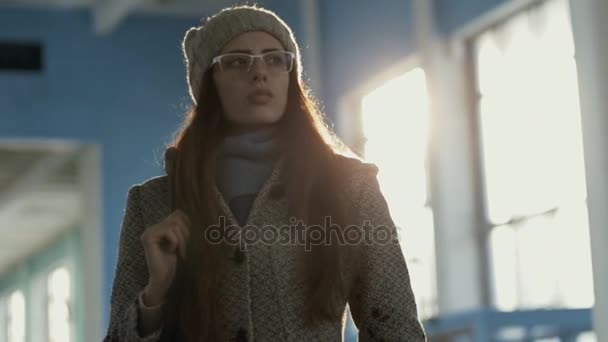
[201,44]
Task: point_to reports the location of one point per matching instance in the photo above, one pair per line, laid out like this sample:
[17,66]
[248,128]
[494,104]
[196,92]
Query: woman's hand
[162,244]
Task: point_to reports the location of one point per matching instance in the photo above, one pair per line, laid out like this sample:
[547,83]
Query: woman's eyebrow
[250,51]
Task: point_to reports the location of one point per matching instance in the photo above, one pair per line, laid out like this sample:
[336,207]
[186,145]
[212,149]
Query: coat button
[239,256]
[277,192]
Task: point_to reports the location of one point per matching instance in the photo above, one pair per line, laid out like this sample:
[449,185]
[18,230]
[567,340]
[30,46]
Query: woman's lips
[260,97]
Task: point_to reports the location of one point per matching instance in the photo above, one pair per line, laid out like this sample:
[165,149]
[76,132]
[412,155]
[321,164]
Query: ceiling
[39,198]
[108,14]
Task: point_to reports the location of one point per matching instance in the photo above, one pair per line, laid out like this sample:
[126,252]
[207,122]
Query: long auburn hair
[313,183]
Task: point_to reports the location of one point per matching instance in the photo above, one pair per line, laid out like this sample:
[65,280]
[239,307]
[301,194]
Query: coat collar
[270,188]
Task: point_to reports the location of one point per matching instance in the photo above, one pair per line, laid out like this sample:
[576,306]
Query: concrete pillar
[311,45]
[462,275]
[590,29]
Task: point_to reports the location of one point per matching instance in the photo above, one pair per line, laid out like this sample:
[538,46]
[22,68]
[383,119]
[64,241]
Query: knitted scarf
[244,164]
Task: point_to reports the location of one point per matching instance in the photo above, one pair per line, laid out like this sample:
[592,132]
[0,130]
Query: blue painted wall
[124,91]
[451,15]
[360,39]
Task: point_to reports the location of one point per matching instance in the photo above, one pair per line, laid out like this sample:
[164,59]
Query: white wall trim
[91,241]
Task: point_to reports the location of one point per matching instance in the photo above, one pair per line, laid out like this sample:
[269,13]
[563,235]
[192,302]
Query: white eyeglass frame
[252,57]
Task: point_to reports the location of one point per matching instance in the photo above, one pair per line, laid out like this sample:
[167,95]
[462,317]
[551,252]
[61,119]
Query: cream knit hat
[201,44]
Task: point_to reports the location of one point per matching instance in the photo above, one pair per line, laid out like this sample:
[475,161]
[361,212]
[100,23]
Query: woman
[226,246]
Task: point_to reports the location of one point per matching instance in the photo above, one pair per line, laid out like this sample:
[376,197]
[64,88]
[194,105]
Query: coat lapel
[268,208]
[238,279]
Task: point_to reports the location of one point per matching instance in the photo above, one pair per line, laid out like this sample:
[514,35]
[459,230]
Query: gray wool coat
[262,297]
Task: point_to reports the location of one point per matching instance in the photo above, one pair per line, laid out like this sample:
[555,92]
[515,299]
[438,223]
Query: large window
[59,305]
[395,119]
[15,323]
[49,301]
[533,161]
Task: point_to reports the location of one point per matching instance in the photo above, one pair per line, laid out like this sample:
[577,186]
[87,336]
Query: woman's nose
[259,71]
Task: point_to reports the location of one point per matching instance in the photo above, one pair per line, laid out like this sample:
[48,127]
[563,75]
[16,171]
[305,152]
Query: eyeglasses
[275,61]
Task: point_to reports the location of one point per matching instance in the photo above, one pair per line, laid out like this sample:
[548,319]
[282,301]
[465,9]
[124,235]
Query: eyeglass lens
[276,61]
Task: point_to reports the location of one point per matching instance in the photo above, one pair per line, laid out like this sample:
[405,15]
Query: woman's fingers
[173,240]
[184,220]
[164,242]
[179,232]
[182,228]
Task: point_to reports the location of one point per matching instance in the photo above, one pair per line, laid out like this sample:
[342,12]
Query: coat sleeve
[130,278]
[381,300]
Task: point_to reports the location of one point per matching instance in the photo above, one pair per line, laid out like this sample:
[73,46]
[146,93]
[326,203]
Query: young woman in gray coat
[265,226]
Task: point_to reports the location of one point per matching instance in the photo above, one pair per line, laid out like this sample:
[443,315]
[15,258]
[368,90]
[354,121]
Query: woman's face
[256,97]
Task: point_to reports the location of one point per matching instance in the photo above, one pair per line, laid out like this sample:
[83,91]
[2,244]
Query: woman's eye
[235,62]
[275,60]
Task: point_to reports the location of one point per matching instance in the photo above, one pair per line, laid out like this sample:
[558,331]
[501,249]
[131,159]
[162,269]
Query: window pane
[543,262]
[575,275]
[395,117]
[503,246]
[3,318]
[418,243]
[538,263]
[59,305]
[16,317]
[533,161]
[530,114]
[587,337]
